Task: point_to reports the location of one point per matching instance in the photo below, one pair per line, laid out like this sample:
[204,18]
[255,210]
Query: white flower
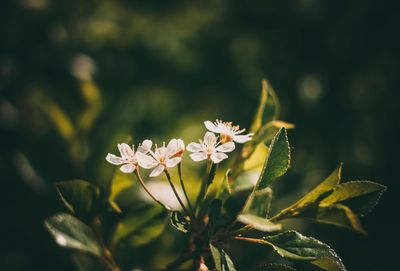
[162,158]
[227,131]
[128,158]
[209,148]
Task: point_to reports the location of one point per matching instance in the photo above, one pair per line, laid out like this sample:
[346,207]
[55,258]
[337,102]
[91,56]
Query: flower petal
[157,171]
[126,151]
[146,161]
[218,157]
[127,168]
[242,138]
[180,145]
[226,147]
[198,156]
[210,139]
[173,162]
[194,147]
[115,160]
[172,147]
[211,127]
[145,146]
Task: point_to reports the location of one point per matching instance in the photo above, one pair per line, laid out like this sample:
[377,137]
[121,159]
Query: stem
[234,233]
[176,193]
[211,169]
[184,189]
[251,240]
[148,191]
[107,259]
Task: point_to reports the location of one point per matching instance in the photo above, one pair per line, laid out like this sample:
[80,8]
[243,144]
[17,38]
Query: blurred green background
[77,77]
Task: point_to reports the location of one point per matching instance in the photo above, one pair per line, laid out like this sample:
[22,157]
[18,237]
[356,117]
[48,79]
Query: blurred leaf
[58,117]
[272,107]
[278,160]
[269,130]
[294,246]
[92,96]
[119,183]
[80,197]
[259,203]
[222,261]
[245,181]
[256,161]
[368,193]
[71,233]
[214,212]
[259,223]
[180,222]
[275,267]
[140,227]
[224,191]
[86,262]
[257,121]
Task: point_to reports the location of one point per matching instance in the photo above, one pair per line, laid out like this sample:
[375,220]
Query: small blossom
[128,158]
[209,148]
[162,158]
[227,131]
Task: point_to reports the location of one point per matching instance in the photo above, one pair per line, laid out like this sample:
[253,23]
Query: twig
[176,193]
[148,191]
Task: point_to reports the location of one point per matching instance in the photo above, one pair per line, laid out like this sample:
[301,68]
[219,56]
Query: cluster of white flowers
[213,147]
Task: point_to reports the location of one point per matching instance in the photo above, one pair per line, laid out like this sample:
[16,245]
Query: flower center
[226,138]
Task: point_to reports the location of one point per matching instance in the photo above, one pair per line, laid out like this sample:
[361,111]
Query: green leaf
[317,194]
[278,160]
[259,203]
[259,223]
[70,232]
[335,214]
[294,246]
[140,227]
[367,194]
[80,197]
[275,267]
[180,222]
[222,261]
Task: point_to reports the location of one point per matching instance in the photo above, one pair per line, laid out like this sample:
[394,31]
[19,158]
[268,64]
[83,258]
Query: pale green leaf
[69,232]
[259,223]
